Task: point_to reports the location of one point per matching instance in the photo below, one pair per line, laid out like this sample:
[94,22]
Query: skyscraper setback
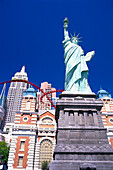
[15,94]
[44,102]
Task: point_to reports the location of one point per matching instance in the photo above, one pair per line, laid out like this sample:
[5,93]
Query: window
[111,101]
[20,160]
[13,84]
[107,106]
[22,145]
[25,119]
[47,120]
[20,76]
[111,120]
[28,105]
[7,129]
[23,84]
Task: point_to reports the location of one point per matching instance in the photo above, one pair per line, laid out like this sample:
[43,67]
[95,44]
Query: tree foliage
[4,152]
[44,165]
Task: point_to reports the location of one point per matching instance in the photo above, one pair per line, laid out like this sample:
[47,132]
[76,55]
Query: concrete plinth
[82,142]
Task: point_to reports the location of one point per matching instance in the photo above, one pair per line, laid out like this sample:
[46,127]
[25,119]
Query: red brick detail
[111,141]
[32,101]
[29,119]
[47,114]
[21,121]
[107,121]
[25,152]
[104,107]
[47,126]
[45,136]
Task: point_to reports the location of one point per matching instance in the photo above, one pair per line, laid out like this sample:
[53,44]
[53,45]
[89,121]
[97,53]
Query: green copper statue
[75,62]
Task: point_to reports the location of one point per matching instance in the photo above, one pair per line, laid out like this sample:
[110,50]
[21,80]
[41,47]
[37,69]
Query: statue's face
[74,40]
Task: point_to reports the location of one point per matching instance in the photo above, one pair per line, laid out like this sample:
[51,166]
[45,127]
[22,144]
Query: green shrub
[44,165]
[4,152]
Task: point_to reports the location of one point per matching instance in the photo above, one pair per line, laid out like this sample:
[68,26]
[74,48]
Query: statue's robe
[75,63]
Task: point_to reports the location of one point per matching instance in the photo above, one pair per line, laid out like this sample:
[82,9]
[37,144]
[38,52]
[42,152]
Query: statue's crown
[76,36]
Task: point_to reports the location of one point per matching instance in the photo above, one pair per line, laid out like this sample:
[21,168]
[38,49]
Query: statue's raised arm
[76,74]
[66,34]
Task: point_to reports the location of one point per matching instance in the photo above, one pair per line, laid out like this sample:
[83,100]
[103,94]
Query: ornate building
[33,135]
[46,136]
[107,113]
[24,133]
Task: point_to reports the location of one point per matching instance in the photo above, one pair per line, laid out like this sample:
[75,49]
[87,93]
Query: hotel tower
[15,94]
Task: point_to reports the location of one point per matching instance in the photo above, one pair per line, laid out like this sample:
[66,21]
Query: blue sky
[31,34]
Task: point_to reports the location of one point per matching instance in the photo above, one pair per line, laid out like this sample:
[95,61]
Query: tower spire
[23,69]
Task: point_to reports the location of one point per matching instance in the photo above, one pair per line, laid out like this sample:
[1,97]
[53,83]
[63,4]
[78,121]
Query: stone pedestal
[82,142]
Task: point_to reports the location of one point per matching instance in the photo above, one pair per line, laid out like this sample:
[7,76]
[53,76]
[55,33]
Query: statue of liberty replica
[81,139]
[76,74]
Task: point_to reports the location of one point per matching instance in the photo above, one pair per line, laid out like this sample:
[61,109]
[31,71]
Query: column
[66,118]
[76,118]
[61,119]
[85,119]
[95,119]
[12,152]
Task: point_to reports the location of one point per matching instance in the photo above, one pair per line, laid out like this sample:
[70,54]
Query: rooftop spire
[23,69]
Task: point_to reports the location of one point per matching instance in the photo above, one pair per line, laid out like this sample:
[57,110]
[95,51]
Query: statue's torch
[65,22]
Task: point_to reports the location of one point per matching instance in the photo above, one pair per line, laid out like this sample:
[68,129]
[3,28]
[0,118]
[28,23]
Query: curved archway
[46,152]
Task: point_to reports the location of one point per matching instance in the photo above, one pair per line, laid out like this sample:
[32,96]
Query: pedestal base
[80,165]
[82,142]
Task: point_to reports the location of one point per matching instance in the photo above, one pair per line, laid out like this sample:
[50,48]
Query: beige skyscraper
[15,94]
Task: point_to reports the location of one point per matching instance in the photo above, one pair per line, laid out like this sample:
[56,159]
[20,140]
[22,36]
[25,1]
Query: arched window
[107,106]
[46,152]
[28,105]
[47,120]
